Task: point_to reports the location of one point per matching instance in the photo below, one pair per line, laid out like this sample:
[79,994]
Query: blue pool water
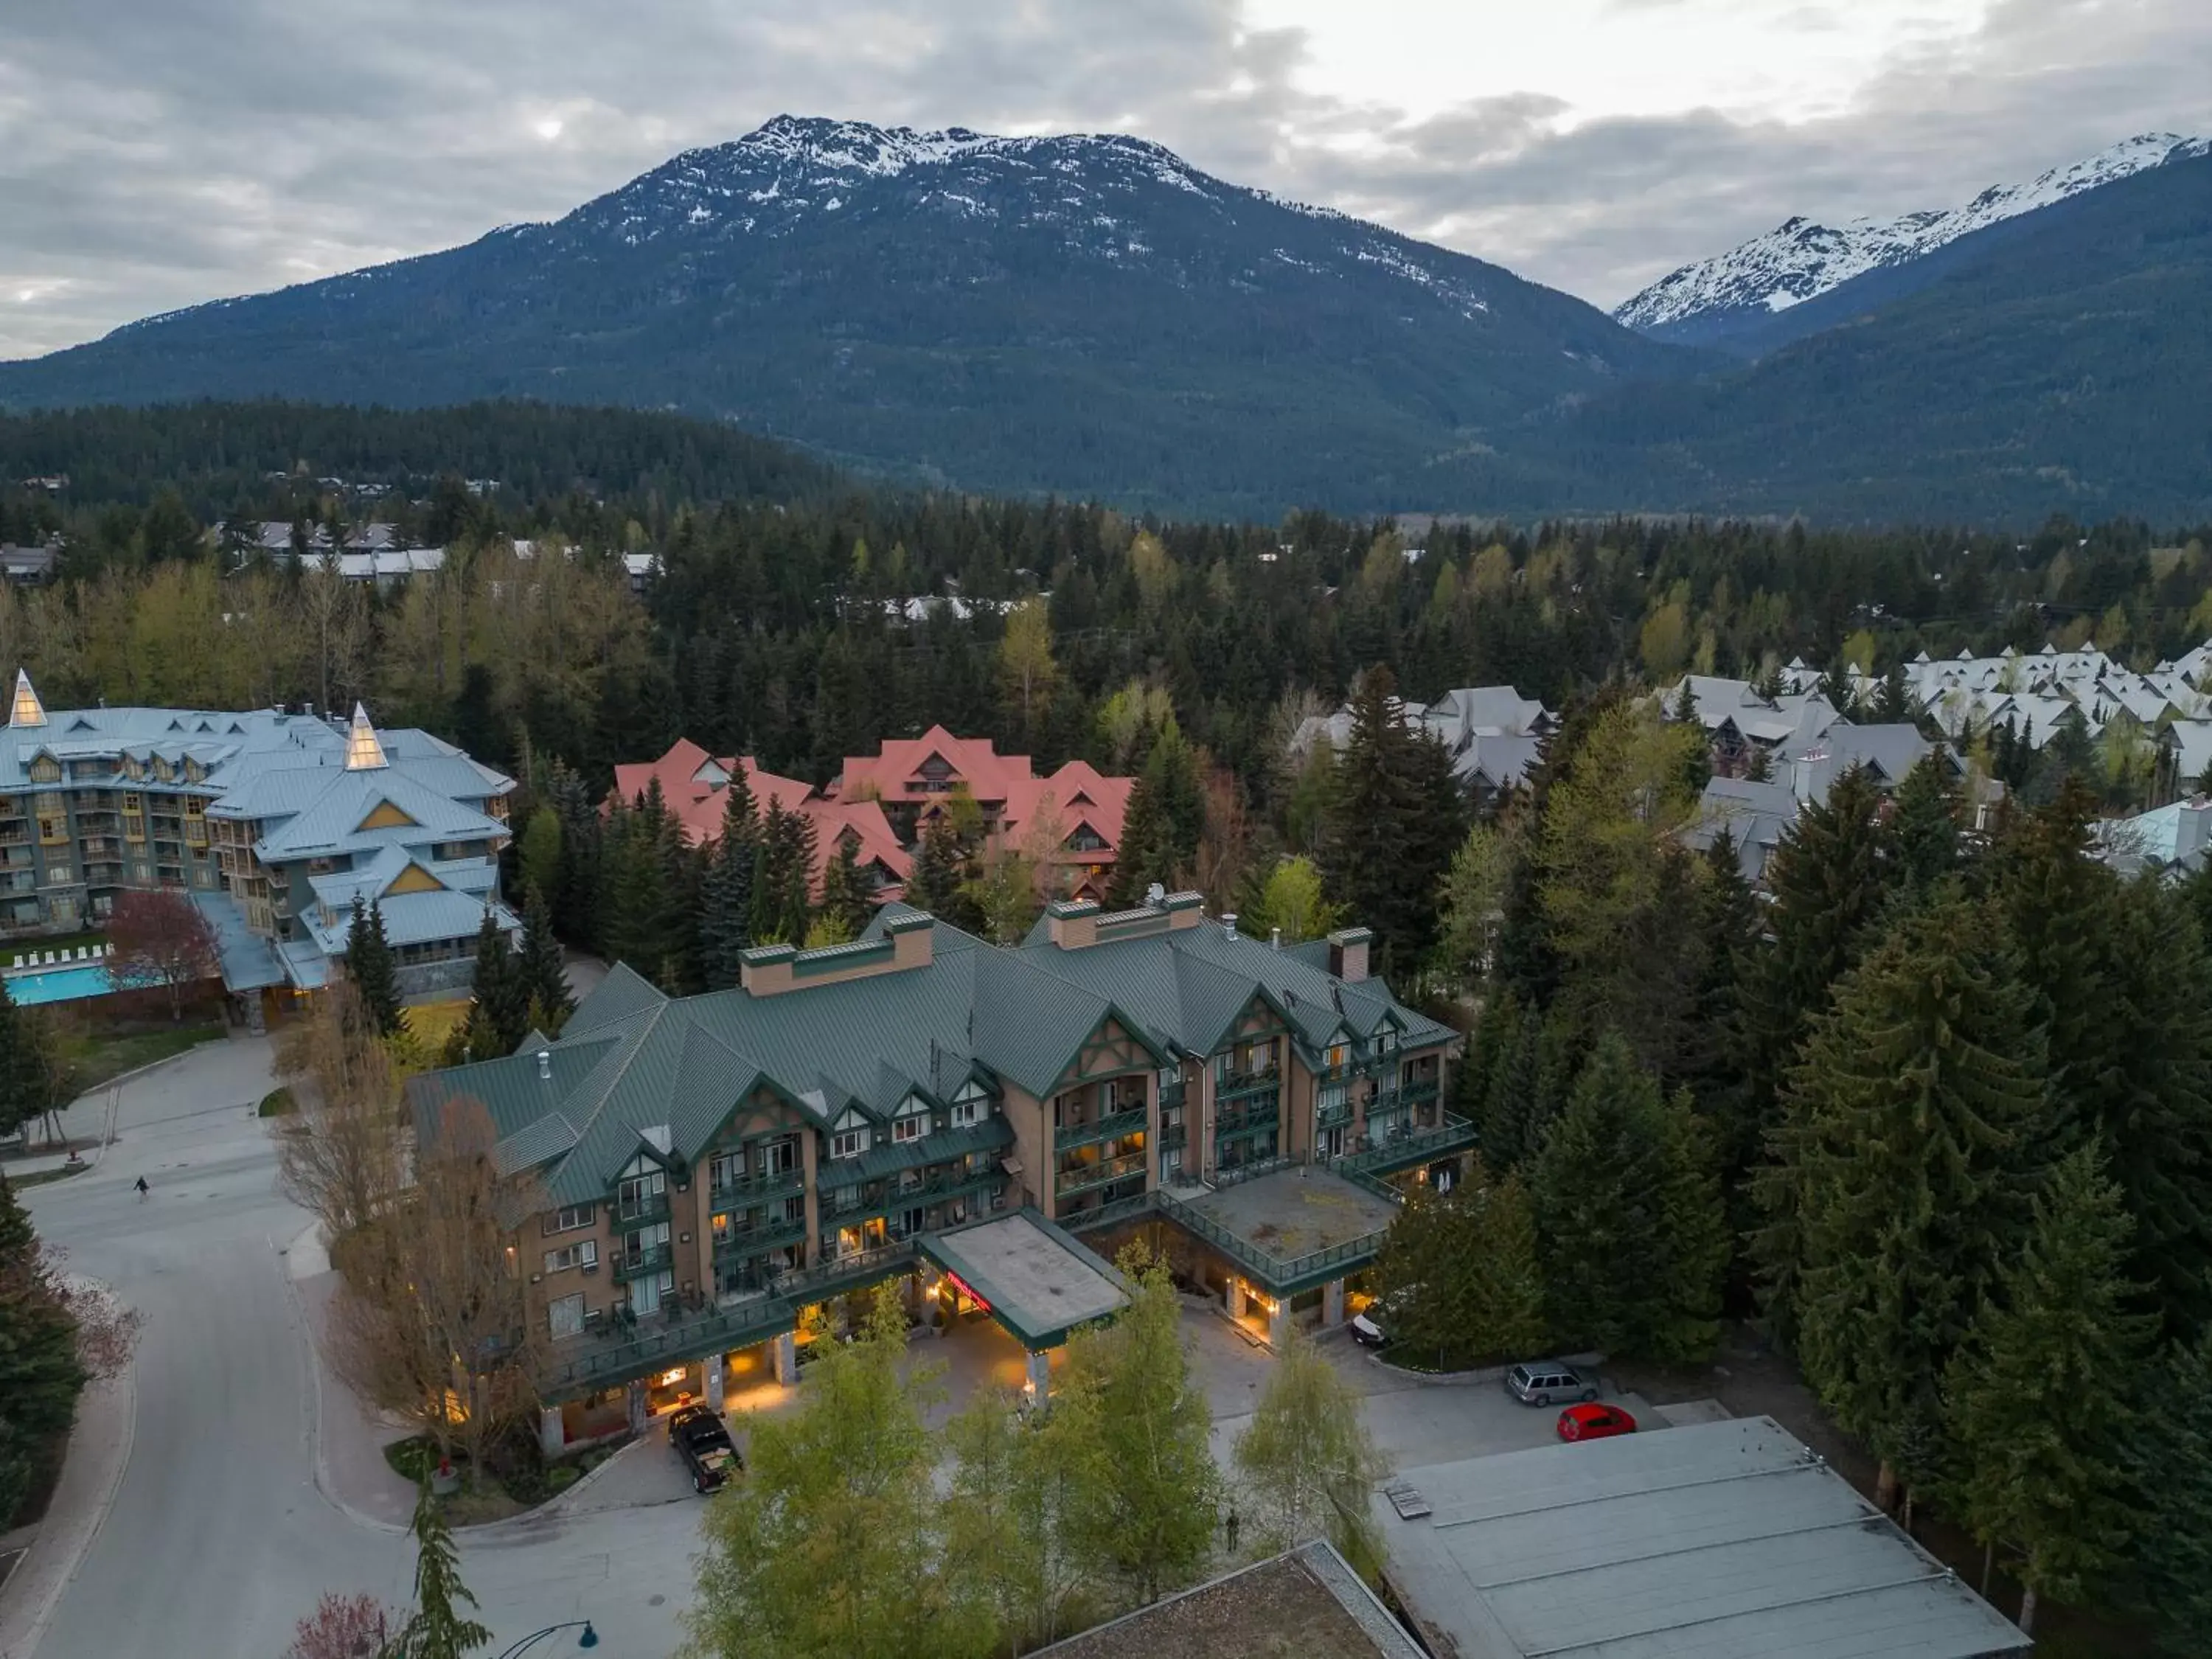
[60,985]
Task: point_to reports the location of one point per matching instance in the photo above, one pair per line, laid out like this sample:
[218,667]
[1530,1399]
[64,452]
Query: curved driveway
[219,1538]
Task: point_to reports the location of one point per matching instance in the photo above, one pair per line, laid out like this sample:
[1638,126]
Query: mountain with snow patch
[1727,301]
[1084,313]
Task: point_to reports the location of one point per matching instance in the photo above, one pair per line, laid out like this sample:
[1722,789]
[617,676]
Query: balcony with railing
[1328,1115]
[763,1184]
[1171,1096]
[637,1264]
[1173,1135]
[1401,1145]
[1242,1117]
[1235,1085]
[1111,1127]
[756,1237]
[639,1211]
[1070,1179]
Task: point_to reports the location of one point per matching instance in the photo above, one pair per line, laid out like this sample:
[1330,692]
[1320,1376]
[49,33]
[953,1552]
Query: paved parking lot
[1414,1420]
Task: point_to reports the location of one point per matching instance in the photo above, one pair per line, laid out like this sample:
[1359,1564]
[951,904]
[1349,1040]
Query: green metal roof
[636,1067]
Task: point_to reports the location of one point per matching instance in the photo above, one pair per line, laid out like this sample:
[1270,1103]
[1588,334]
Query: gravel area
[1278,1610]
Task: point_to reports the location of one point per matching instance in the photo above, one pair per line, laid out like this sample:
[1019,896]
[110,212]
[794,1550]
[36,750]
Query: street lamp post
[590,1638]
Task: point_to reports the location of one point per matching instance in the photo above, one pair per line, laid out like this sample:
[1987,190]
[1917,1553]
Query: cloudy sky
[156,153]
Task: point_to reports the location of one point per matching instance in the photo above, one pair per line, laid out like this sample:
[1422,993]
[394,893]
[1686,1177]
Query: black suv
[705,1446]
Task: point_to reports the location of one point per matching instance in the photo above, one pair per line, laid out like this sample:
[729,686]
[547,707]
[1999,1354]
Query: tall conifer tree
[542,970]
[370,965]
[1902,1170]
[2041,1396]
[725,890]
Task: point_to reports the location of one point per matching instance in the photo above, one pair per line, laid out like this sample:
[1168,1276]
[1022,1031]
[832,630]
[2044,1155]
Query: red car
[1594,1422]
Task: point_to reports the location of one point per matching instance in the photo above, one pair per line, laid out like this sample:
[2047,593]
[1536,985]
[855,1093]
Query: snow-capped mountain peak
[1799,259]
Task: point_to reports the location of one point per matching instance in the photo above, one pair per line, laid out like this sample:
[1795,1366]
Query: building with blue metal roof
[273,822]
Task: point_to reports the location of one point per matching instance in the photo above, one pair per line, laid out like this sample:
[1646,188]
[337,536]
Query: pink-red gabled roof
[1077,795]
[692,783]
[989,775]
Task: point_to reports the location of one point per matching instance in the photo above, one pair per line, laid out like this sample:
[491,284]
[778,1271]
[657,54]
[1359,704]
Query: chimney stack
[1229,923]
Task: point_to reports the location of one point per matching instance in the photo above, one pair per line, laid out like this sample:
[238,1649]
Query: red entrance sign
[966,1290]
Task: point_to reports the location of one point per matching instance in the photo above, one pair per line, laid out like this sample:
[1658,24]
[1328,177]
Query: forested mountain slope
[1083,314]
[2058,363]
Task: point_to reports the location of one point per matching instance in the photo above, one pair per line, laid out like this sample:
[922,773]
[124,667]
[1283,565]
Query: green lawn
[70,942]
[95,1060]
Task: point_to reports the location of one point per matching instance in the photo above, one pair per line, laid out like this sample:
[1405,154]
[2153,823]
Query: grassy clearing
[95,1060]
[432,1023]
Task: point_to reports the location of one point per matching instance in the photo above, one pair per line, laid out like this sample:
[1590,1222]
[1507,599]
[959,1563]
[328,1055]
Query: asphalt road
[219,1538]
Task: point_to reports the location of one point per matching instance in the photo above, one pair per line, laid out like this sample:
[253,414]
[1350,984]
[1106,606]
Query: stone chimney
[1072,924]
[905,939]
[1347,953]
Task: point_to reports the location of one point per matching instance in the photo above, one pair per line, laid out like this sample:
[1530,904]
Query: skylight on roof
[26,710]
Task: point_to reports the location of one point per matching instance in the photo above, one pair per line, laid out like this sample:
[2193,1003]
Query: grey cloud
[160,152]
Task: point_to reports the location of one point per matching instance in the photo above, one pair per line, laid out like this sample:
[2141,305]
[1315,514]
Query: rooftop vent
[545,1064]
[1228,924]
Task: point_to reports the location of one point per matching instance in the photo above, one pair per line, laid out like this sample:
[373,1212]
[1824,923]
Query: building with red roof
[882,802]
[693,784]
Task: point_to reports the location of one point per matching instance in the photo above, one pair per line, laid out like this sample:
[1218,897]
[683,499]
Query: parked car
[1370,1327]
[1541,1381]
[1594,1422]
[706,1448]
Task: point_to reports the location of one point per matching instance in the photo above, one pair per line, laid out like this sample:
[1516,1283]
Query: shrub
[279,1102]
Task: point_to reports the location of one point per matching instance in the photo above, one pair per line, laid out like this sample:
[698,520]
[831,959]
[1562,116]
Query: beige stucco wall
[1032,1144]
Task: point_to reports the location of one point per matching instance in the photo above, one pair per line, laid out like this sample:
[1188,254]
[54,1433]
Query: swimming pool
[60,985]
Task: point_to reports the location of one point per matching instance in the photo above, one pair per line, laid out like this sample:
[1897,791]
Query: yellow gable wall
[416,879]
[387,817]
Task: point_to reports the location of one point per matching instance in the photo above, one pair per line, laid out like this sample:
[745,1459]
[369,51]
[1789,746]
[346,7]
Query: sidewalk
[350,1436]
[99,1448]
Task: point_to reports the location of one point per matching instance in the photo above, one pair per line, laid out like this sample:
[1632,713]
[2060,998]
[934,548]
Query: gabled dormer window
[849,1138]
[913,1121]
[971,1105]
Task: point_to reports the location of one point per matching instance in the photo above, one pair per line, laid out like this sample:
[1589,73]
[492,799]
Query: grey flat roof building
[1719,1541]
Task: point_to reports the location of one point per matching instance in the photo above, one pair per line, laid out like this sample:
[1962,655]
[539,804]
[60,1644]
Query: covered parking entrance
[1030,1276]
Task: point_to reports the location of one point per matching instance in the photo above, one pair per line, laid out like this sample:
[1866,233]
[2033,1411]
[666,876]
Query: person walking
[142,1188]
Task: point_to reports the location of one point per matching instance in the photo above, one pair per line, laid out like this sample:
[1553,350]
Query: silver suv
[1542,1381]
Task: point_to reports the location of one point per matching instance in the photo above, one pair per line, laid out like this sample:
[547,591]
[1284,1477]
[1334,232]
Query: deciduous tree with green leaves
[830,1546]
[1307,1461]
[1009,1522]
[1147,1489]
[1290,899]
